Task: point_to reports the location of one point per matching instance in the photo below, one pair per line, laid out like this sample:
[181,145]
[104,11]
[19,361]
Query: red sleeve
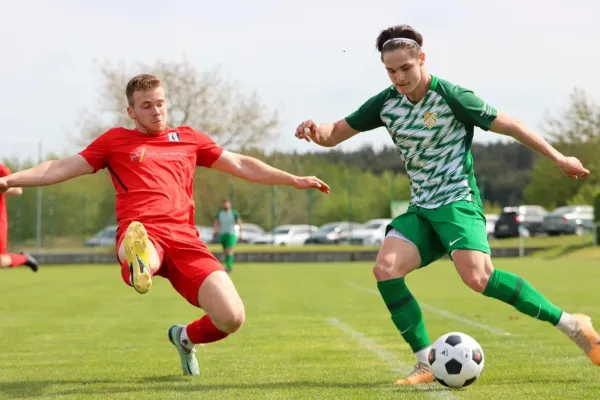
[96,152]
[4,171]
[207,151]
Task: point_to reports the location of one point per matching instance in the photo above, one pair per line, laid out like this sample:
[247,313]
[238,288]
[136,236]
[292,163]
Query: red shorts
[3,239]
[185,259]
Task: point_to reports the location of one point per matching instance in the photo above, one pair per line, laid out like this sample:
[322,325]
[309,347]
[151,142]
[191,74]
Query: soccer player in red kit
[152,169]
[11,260]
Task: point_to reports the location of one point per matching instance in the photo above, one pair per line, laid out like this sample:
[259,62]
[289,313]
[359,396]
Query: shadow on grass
[169,383]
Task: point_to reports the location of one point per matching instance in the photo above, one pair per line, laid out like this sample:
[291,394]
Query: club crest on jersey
[430,118]
[138,154]
[174,137]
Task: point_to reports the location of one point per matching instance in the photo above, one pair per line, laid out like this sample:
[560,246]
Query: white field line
[439,311]
[390,358]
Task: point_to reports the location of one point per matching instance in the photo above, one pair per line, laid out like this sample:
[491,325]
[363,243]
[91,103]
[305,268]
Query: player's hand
[3,186]
[309,130]
[311,182]
[573,168]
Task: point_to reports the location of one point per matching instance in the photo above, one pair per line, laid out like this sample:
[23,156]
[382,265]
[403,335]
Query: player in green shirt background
[431,122]
[225,223]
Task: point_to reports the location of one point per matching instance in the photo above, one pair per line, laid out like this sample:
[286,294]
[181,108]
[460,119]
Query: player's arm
[506,125]
[367,117]
[238,220]
[49,172]
[472,110]
[254,170]
[14,192]
[326,134]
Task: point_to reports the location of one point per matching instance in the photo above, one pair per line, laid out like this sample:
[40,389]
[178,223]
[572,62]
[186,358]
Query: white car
[286,235]
[106,237]
[490,224]
[371,233]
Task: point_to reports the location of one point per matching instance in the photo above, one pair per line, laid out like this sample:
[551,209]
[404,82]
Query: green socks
[228,262]
[406,313]
[517,292]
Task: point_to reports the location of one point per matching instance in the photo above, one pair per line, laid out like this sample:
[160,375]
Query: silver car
[569,220]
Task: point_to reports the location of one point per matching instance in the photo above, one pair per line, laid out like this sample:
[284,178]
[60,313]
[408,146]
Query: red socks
[17,259]
[204,331]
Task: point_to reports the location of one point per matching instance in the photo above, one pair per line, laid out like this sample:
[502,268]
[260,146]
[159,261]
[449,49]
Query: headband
[404,40]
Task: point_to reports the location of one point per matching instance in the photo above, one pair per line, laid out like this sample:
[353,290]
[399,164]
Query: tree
[204,100]
[575,132]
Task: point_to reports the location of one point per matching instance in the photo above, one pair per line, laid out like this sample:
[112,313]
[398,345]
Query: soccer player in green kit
[431,122]
[225,222]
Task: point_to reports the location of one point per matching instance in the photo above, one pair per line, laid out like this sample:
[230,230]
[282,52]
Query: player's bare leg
[15,260]
[397,258]
[141,256]
[225,314]
[476,270]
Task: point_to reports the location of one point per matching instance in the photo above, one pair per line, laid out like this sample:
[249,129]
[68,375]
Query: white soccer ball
[456,360]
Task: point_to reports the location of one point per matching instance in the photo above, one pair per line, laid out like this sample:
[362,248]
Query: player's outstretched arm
[506,125]
[326,135]
[254,170]
[47,173]
[14,192]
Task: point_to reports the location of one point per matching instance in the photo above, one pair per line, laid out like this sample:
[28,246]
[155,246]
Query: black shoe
[31,262]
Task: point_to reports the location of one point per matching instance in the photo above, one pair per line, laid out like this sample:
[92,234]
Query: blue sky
[309,59]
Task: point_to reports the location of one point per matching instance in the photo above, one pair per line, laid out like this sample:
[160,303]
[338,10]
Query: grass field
[312,331]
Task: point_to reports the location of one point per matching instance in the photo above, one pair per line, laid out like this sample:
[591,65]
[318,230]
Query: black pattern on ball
[453,340]
[431,356]
[453,367]
[477,356]
[470,381]
[442,382]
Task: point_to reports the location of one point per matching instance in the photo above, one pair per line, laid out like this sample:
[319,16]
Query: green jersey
[433,137]
[227,221]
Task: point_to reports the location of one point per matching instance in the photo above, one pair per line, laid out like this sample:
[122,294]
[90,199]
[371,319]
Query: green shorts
[228,240]
[459,225]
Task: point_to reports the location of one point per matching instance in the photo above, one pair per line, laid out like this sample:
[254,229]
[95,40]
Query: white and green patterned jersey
[433,137]
[227,220]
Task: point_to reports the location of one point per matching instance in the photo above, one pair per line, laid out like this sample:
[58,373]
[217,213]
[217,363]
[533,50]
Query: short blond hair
[141,83]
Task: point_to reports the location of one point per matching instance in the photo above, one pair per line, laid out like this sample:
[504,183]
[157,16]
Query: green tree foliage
[575,132]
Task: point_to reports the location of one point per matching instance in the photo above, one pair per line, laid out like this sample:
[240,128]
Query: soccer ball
[456,360]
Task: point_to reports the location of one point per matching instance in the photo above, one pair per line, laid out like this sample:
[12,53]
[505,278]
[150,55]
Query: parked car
[106,237]
[249,232]
[569,220]
[333,233]
[286,235]
[490,224]
[372,232]
[207,233]
[525,219]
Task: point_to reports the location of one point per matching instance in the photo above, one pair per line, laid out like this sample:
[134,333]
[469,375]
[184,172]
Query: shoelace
[581,340]
[419,369]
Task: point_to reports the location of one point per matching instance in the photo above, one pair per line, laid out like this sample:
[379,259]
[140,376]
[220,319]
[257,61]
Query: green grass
[77,332]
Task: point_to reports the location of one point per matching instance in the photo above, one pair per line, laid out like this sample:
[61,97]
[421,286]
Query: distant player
[431,122]
[225,223]
[11,260]
[152,169]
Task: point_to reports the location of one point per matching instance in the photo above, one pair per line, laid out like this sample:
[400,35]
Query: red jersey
[4,171]
[153,175]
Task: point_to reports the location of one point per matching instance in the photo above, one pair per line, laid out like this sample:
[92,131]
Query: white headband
[405,40]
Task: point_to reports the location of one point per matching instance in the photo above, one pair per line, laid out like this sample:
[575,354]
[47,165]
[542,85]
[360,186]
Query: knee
[385,269]
[475,275]
[231,322]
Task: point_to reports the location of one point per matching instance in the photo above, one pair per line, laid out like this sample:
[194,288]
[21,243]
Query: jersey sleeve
[4,171]
[368,116]
[96,152]
[468,108]
[236,215]
[207,151]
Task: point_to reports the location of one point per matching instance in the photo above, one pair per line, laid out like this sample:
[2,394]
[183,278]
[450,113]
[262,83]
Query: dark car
[527,218]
